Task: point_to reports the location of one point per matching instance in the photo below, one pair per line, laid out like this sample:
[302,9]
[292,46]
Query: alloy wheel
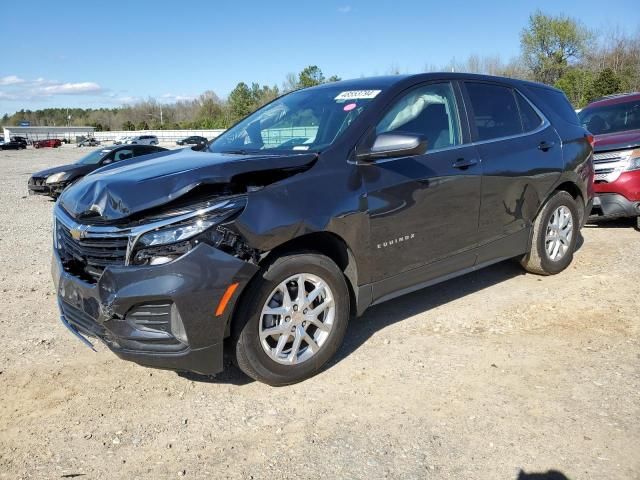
[296,319]
[559,233]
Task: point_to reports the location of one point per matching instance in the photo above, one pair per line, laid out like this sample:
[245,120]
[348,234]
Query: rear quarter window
[558,103]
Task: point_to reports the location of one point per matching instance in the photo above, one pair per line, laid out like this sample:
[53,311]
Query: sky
[109,53]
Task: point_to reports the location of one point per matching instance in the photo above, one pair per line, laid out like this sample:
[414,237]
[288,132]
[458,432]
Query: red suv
[615,123]
[49,142]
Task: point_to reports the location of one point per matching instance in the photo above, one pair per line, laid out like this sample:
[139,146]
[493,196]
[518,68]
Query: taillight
[591,139]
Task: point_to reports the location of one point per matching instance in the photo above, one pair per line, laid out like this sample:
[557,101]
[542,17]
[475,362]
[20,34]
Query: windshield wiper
[236,152]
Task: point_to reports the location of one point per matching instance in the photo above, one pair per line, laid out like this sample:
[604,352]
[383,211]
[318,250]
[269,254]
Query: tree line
[556,50]
[207,111]
[561,51]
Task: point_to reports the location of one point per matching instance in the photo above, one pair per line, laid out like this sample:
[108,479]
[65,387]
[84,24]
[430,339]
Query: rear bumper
[159,316]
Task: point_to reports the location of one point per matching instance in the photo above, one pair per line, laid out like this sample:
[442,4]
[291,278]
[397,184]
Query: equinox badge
[404,238]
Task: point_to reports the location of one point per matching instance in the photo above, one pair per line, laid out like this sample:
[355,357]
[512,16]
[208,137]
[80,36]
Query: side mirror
[389,145]
[107,161]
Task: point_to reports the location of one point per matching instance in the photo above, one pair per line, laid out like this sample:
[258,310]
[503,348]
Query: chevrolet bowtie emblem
[78,233]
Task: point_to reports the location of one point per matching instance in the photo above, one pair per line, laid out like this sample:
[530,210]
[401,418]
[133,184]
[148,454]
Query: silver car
[143,140]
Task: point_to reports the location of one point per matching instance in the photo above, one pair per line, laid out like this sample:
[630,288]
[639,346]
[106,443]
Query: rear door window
[495,112]
[530,119]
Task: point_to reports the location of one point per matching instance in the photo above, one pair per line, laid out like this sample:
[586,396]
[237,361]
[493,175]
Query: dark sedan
[54,180]
[13,145]
[199,143]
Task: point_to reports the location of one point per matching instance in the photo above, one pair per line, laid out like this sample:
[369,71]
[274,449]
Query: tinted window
[140,151]
[559,103]
[611,118]
[430,111]
[495,110]
[530,119]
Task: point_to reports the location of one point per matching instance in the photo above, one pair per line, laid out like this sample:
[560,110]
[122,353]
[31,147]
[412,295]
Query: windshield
[306,120]
[611,118]
[93,158]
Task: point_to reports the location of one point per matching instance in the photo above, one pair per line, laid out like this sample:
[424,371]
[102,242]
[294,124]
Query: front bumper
[39,190]
[49,189]
[614,205]
[38,186]
[157,316]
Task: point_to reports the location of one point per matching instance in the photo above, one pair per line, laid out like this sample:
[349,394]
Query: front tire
[555,233]
[292,319]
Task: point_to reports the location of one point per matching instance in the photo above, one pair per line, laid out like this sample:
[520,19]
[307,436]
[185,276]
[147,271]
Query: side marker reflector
[225,299]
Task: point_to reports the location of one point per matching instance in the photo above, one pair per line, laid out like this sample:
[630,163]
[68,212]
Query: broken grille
[88,257]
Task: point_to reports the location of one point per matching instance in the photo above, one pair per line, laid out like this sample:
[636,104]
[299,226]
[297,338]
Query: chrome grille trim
[130,235]
[609,155]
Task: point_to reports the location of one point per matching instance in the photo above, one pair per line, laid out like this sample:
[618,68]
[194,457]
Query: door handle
[463,163]
[546,146]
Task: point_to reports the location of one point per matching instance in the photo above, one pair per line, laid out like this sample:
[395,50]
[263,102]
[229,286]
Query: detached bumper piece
[614,205]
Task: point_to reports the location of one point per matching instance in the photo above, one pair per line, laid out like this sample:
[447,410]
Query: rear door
[521,158]
[423,208]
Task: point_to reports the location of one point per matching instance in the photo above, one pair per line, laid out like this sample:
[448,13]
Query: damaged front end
[158,285]
[151,292]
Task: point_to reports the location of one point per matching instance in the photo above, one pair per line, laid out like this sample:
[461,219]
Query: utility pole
[68,125]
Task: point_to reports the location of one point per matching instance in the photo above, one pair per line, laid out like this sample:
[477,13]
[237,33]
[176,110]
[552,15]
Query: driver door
[423,209]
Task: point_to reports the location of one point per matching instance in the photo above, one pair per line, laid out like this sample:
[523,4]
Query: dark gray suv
[320,204]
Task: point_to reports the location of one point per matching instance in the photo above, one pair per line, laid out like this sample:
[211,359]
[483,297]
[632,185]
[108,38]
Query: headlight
[634,164]
[630,160]
[56,177]
[177,233]
[167,243]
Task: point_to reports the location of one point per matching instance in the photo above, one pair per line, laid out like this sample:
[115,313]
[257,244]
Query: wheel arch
[325,243]
[572,189]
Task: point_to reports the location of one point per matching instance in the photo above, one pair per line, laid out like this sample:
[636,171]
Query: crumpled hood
[616,141]
[117,191]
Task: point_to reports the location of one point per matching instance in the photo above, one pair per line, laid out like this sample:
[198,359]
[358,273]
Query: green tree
[241,101]
[310,77]
[142,125]
[605,83]
[263,94]
[576,84]
[549,44]
[128,125]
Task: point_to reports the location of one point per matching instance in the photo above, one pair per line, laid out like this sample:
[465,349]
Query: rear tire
[293,343]
[555,232]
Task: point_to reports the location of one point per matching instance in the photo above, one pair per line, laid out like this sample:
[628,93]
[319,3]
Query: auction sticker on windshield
[355,94]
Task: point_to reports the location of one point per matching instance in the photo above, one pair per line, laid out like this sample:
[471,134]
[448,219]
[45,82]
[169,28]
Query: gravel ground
[480,377]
